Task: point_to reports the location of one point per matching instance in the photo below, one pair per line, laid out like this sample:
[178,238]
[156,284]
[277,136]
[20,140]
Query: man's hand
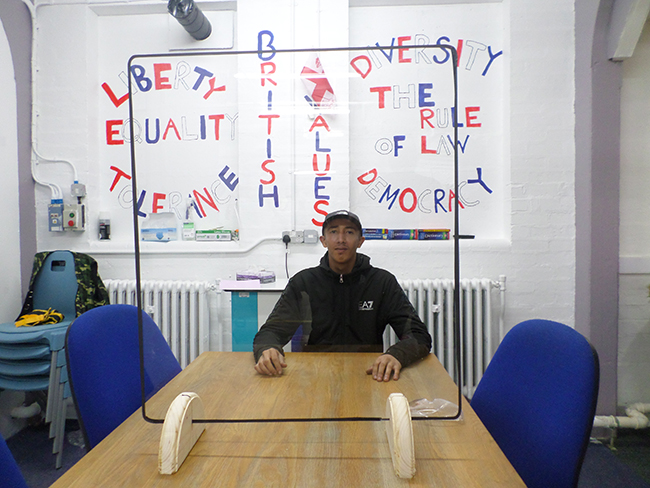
[385,366]
[271,362]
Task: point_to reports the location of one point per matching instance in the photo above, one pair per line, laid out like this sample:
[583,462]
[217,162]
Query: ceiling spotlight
[191,18]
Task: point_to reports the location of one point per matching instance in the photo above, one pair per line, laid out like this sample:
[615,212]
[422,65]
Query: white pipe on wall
[55,189]
[635,418]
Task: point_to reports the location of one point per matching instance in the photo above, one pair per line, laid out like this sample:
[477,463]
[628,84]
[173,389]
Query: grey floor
[626,464]
[32,449]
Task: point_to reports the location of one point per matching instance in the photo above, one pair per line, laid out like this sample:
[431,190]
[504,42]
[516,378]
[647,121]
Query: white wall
[538,257]
[537,253]
[634,300]
[10,286]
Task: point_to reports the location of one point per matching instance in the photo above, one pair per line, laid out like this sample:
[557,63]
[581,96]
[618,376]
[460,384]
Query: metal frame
[456,234]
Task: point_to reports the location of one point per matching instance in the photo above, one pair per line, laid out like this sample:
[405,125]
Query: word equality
[199,128]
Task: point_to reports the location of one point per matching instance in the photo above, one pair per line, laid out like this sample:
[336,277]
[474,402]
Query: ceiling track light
[188,14]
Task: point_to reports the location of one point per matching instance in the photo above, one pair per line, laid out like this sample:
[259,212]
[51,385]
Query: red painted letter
[381,90]
[364,180]
[400,56]
[424,149]
[426,114]
[118,175]
[155,206]
[264,167]
[161,83]
[116,101]
[469,117]
[317,206]
[363,74]
[319,122]
[271,67]
[111,131]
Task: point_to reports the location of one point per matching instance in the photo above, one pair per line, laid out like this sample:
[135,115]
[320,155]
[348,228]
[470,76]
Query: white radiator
[481,320]
[181,309]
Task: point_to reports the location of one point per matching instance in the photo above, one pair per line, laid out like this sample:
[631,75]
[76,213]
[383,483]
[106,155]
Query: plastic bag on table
[437,407]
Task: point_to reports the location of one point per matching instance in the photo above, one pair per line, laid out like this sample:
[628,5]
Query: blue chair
[103,357]
[31,358]
[538,399]
[10,475]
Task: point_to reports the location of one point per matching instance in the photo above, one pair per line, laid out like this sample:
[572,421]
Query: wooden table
[319,454]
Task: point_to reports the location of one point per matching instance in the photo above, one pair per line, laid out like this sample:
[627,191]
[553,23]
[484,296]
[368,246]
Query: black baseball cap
[342,214]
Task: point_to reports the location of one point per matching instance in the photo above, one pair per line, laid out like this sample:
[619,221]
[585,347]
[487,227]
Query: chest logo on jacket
[366,305]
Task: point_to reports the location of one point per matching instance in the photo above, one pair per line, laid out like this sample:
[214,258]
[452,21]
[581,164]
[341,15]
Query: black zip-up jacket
[345,313]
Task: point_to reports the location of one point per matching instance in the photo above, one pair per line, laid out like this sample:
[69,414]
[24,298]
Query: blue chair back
[55,285]
[10,475]
[538,399]
[103,354]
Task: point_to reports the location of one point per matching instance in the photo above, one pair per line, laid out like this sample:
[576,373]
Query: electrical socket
[297,236]
[308,236]
[311,236]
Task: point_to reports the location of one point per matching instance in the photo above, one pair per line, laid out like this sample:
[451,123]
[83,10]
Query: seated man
[344,304]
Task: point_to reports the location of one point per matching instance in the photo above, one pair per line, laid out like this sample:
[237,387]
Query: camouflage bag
[91,291]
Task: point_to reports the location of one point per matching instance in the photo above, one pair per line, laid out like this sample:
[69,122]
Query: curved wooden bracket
[179,433]
[400,435]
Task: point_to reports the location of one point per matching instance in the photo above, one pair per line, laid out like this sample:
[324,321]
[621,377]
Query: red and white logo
[319,90]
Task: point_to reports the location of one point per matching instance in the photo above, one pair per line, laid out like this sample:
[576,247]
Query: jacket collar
[362,263]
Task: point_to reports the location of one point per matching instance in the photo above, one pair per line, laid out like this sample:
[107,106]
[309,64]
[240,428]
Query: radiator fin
[479,320]
[179,308]
[182,311]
